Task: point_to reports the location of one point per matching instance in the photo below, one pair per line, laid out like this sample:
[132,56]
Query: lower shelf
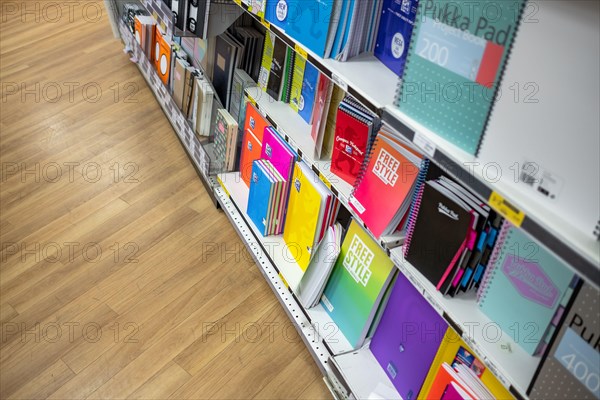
[358,371]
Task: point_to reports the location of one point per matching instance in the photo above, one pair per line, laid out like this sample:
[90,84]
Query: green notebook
[297,78]
[357,285]
[267,60]
[457,53]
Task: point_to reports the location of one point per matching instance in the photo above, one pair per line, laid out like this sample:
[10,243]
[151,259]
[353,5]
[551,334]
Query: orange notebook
[162,57]
[389,175]
[254,129]
[251,149]
[444,377]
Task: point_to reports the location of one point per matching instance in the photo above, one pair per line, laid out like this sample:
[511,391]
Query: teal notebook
[455,61]
[357,285]
[523,287]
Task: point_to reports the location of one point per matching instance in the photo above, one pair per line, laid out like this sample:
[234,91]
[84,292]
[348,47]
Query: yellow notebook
[447,353]
[303,213]
[267,60]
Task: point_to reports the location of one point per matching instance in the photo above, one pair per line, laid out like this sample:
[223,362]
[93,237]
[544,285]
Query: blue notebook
[309,91]
[395,29]
[262,187]
[277,12]
[523,287]
[308,23]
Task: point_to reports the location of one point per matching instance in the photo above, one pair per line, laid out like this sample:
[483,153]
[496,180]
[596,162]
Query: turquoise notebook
[358,282]
[523,287]
[455,61]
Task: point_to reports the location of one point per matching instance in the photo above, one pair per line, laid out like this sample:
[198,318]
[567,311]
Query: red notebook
[349,146]
[254,129]
[383,192]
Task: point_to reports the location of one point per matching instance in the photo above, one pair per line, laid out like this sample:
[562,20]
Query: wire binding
[492,267]
[411,46]
[416,204]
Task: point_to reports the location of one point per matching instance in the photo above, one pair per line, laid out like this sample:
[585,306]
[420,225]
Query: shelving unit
[198,153]
[349,373]
[581,252]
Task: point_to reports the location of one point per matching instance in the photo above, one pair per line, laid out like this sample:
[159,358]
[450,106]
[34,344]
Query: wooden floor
[119,278]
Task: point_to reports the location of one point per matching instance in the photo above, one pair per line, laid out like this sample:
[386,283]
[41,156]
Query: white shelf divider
[512,367]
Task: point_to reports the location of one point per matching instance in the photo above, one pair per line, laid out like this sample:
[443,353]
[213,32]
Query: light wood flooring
[119,278]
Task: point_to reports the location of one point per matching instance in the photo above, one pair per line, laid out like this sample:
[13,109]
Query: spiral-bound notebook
[534,281]
[454,66]
[384,187]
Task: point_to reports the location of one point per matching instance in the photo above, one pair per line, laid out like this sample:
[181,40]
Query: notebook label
[540,179]
[339,81]
[282,10]
[506,209]
[424,144]
[392,370]
[530,280]
[358,260]
[327,303]
[359,207]
[581,360]
[459,51]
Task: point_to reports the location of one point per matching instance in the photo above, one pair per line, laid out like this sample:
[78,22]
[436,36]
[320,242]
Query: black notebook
[277,69]
[226,59]
[437,233]
[197,17]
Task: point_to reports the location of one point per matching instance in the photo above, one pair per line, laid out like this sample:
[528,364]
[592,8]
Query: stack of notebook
[477,62]
[144,34]
[453,351]
[449,235]
[395,31]
[407,338]
[228,57]
[226,134]
[391,172]
[282,157]
[312,208]
[277,68]
[202,107]
[267,190]
[357,285]
[533,279]
[316,276]
[354,131]
[241,81]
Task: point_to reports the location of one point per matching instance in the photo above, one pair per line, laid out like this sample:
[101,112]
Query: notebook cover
[288,74]
[534,280]
[277,69]
[440,229]
[276,150]
[197,17]
[308,23]
[476,51]
[309,91]
[407,338]
[220,140]
[576,346]
[250,152]
[445,376]
[389,175]
[321,104]
[162,59]
[455,392]
[350,146]
[267,60]
[359,279]
[259,198]
[302,216]
[337,95]
[277,12]
[223,68]
[395,29]
[297,78]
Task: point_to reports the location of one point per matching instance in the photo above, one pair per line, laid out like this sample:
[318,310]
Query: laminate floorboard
[107,287]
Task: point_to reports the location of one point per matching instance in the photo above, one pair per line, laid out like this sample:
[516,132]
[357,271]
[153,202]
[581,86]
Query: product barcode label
[339,81]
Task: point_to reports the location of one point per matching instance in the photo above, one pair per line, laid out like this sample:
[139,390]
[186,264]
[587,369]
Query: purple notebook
[407,338]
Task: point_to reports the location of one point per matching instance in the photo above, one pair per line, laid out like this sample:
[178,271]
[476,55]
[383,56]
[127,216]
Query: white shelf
[275,246]
[364,375]
[551,230]
[515,368]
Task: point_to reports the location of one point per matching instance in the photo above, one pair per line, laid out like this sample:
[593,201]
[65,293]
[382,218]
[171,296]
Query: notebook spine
[492,268]
[501,75]
[416,204]
[411,47]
